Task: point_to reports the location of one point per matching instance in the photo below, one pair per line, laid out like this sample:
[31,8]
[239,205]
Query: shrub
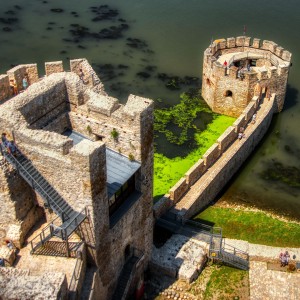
[114,134]
[89,129]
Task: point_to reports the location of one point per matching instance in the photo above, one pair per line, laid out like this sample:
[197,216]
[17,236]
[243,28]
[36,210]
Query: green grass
[254,227]
[167,171]
[224,281]
[221,282]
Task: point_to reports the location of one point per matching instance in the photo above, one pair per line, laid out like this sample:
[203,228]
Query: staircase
[70,219]
[126,276]
[234,260]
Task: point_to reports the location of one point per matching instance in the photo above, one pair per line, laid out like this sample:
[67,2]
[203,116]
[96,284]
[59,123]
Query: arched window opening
[228,93]
[208,82]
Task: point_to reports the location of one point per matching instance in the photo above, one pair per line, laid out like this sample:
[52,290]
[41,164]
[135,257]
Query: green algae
[167,169]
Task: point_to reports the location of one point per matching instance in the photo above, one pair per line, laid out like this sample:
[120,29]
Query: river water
[155,37]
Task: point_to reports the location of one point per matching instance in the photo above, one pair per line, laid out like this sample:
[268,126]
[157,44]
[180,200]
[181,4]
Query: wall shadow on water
[242,168]
[232,193]
[291,97]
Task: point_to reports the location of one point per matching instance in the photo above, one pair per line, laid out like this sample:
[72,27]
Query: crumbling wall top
[135,105]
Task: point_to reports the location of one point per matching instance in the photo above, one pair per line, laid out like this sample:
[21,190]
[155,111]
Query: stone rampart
[211,156]
[230,165]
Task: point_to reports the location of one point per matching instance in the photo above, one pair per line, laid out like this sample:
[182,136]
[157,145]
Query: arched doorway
[127,252]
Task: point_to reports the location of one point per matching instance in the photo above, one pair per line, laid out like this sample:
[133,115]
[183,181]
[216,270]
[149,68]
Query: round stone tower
[236,69]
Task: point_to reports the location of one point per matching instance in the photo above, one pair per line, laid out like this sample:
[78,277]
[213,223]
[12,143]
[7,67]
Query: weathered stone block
[211,155]
[195,172]
[178,190]
[53,67]
[227,138]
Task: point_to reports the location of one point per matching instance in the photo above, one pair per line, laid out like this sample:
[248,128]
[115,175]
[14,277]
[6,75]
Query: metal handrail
[33,182]
[42,235]
[63,229]
[234,250]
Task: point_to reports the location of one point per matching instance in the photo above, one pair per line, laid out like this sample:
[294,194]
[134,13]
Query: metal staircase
[212,235]
[70,219]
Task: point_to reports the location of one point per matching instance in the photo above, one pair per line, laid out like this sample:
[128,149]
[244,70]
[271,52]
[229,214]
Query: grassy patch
[221,282]
[185,115]
[254,227]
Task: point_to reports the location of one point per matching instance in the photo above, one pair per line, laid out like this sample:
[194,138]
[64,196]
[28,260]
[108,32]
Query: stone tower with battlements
[236,69]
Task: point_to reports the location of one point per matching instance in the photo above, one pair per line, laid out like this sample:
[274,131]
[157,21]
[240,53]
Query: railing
[73,286]
[72,223]
[235,251]
[42,237]
[32,182]
[211,230]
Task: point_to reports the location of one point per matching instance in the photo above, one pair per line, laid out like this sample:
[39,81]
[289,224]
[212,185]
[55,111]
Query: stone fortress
[89,160]
[86,166]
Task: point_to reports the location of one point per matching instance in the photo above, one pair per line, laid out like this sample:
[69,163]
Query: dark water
[171,37]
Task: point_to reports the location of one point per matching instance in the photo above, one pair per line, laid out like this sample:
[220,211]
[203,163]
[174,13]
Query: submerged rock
[104,12]
[6,29]
[57,10]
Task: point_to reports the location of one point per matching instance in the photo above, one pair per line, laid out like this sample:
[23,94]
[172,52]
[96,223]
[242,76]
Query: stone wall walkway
[201,185]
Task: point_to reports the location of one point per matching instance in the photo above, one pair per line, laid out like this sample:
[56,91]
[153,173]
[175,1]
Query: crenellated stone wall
[228,89]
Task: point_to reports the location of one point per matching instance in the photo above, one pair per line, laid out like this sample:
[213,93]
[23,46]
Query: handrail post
[67,245]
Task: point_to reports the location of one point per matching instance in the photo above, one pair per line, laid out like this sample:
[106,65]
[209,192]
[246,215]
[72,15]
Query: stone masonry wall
[135,229]
[18,204]
[5,90]
[53,67]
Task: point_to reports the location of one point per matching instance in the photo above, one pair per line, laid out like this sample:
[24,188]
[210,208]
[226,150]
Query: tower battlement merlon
[244,43]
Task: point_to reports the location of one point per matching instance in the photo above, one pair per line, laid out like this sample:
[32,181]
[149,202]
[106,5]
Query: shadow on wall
[291,97]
